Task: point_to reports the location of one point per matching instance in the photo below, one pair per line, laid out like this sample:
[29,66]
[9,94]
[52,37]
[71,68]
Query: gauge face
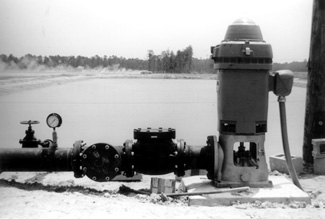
[54,120]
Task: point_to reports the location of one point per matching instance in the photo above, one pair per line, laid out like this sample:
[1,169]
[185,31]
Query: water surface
[107,110]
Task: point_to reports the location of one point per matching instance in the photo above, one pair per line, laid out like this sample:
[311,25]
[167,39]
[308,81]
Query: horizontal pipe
[35,159]
[69,159]
[197,157]
[240,189]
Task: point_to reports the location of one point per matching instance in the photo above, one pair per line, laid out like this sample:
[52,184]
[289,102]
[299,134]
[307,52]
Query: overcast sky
[130,28]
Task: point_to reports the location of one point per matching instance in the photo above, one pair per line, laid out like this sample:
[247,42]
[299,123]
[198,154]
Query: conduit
[285,142]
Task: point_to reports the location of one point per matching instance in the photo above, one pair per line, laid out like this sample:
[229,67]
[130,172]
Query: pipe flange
[213,164]
[101,162]
[180,157]
[128,158]
[76,159]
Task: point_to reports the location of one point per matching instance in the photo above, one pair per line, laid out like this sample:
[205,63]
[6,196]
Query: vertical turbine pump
[243,61]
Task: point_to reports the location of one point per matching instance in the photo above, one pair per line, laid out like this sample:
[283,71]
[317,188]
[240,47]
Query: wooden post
[315,100]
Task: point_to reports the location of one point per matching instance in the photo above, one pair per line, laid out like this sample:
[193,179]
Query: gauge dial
[54,120]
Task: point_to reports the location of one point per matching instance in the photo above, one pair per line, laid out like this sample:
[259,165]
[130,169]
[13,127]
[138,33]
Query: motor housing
[243,61]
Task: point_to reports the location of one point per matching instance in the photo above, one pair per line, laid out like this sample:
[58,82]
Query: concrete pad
[195,183]
[319,155]
[319,166]
[161,185]
[283,191]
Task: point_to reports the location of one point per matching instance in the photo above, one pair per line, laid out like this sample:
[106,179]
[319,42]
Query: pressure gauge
[54,120]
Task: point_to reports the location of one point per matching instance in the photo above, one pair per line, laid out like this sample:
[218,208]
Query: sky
[129,28]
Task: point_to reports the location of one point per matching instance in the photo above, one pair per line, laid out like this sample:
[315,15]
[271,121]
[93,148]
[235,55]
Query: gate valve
[29,140]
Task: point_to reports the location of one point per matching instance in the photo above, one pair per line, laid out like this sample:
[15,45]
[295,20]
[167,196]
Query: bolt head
[245,177]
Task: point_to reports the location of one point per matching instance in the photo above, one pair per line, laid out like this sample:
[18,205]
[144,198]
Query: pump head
[242,48]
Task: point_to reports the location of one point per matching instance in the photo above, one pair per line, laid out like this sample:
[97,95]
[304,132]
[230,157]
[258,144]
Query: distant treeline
[167,62]
[293,66]
[31,62]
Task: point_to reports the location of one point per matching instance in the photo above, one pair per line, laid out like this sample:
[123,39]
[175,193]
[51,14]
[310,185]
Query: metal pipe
[197,157]
[285,142]
[239,189]
[35,159]
[84,160]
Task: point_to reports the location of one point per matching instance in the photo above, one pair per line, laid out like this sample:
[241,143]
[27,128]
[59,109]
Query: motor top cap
[243,29]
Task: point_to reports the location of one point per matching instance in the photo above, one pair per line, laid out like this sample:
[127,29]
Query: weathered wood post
[315,100]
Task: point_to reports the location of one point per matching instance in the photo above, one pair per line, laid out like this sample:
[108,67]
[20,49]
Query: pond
[107,110]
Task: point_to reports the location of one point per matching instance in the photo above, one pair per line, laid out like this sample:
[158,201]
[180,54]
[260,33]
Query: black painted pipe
[35,159]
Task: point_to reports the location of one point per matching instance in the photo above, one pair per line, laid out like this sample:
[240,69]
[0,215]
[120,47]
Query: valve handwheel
[29,122]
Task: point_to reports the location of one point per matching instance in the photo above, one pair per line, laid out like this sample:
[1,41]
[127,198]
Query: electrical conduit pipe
[285,142]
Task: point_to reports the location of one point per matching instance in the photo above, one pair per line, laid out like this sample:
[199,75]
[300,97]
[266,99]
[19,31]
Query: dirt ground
[60,195]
